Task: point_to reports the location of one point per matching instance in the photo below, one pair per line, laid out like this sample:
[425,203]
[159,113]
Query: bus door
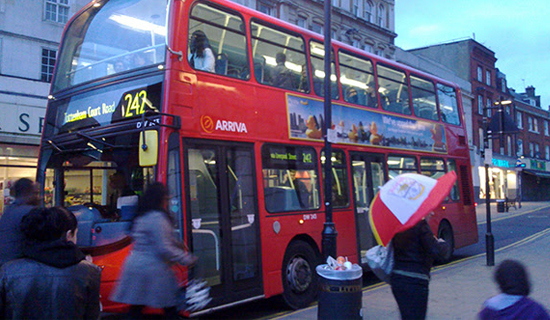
[368,175]
[222,217]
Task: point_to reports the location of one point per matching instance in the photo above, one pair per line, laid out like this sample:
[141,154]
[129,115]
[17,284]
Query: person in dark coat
[414,252]
[53,280]
[26,198]
[513,301]
[147,278]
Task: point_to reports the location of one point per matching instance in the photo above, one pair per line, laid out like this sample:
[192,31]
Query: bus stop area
[458,289]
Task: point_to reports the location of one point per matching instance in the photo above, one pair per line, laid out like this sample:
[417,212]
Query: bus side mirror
[148,148]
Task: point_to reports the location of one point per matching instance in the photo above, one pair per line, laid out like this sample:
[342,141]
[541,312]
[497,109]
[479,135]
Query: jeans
[411,295]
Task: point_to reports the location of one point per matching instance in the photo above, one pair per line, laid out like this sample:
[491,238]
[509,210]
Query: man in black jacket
[53,280]
[26,198]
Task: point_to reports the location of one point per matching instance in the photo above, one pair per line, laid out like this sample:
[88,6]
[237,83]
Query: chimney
[530,90]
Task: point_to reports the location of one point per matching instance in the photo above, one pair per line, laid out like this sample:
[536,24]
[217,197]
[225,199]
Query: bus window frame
[211,24]
[282,30]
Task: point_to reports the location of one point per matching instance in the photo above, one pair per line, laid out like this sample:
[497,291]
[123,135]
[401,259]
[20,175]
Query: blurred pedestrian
[513,301]
[414,252]
[26,198]
[53,280]
[147,278]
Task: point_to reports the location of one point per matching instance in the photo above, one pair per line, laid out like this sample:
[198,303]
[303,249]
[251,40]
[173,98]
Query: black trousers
[411,295]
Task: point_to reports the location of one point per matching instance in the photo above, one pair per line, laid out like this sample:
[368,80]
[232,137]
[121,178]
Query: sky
[518,32]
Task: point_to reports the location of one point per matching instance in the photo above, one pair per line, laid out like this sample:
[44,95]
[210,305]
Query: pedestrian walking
[53,280]
[513,301]
[147,278]
[26,198]
[414,252]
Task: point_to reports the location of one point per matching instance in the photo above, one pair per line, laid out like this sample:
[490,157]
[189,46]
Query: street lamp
[501,130]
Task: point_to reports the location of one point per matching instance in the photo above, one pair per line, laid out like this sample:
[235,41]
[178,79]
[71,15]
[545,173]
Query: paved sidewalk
[457,290]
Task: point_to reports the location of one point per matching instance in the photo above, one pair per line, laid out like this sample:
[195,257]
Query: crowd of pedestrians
[44,275]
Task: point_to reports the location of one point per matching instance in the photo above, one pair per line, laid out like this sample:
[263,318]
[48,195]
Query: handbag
[194,296]
[380,261]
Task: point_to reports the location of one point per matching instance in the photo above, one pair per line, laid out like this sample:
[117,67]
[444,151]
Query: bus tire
[300,283]
[445,232]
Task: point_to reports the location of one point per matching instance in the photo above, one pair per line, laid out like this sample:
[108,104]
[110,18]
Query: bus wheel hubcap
[298,274]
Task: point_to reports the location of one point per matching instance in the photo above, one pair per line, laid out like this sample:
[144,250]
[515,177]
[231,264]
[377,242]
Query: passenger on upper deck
[370,95]
[201,56]
[281,77]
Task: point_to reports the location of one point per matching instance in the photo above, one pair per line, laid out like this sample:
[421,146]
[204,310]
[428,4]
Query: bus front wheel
[445,232]
[300,282]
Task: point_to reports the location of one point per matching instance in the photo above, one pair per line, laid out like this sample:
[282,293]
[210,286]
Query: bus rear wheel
[445,232]
[300,283]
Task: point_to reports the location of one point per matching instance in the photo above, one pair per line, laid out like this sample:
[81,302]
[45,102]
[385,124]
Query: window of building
[367,14]
[266,8]
[479,74]
[531,150]
[355,7]
[481,139]
[381,16]
[509,145]
[57,11]
[547,152]
[519,120]
[537,150]
[336,3]
[317,27]
[488,77]
[530,123]
[278,57]
[536,125]
[48,63]
[368,47]
[480,105]
[546,128]
[489,105]
[520,148]
[503,85]
[302,22]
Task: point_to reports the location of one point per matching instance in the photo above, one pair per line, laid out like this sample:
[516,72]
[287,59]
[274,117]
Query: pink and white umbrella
[403,201]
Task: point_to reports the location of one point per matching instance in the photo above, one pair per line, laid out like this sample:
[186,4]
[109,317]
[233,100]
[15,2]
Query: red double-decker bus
[236,135]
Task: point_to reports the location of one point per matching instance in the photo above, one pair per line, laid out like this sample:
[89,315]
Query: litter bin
[500,205]
[340,295]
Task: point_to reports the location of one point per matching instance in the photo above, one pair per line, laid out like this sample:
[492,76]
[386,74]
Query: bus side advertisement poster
[363,127]
[107,106]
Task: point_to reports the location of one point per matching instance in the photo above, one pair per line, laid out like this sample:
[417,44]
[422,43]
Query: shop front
[503,182]
[535,180]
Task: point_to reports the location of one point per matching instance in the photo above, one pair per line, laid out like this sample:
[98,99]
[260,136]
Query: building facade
[29,39]
[364,24]
[504,151]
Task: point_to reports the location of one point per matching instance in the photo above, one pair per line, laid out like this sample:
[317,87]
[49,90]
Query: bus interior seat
[94,230]
[126,201]
[279,199]
[221,63]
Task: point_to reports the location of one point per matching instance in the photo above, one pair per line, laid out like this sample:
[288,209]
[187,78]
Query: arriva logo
[207,124]
[222,125]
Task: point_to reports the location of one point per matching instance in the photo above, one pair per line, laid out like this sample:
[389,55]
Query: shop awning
[542,174]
